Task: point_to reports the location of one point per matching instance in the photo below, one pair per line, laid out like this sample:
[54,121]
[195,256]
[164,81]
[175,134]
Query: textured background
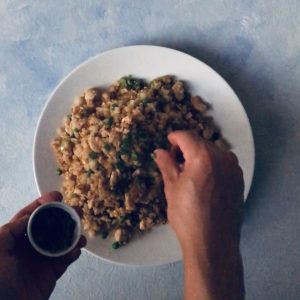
[254,45]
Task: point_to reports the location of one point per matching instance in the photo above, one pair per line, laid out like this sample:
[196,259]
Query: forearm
[197,273]
[197,282]
[204,192]
[206,279]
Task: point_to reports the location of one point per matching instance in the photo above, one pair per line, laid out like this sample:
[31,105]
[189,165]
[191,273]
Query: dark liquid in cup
[53,229]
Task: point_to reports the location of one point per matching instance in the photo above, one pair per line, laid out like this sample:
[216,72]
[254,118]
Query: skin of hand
[205,199]
[24,273]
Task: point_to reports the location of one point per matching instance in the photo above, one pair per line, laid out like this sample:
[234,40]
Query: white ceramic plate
[160,245]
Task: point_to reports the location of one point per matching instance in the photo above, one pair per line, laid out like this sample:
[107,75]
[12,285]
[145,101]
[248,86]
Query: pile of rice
[105,152]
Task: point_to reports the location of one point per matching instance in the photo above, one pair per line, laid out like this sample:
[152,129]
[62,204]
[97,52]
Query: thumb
[167,166]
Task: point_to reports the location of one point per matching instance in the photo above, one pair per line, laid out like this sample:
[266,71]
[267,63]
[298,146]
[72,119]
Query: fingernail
[153,155]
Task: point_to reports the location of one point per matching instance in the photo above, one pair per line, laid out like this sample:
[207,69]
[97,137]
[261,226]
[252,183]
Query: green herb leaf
[122,185]
[134,156]
[126,145]
[134,219]
[86,112]
[109,121]
[145,102]
[120,165]
[163,142]
[104,234]
[59,171]
[100,168]
[123,219]
[107,147]
[160,104]
[89,172]
[113,106]
[74,131]
[131,83]
[140,134]
[115,245]
[93,155]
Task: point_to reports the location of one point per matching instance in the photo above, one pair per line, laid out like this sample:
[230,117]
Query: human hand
[24,273]
[205,199]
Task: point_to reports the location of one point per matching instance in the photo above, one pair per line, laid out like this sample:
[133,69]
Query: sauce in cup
[54,229]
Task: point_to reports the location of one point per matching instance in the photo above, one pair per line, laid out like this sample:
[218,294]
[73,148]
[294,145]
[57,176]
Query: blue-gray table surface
[254,45]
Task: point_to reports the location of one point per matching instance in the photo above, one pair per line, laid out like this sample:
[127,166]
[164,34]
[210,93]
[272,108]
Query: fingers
[167,165]
[82,242]
[79,210]
[61,264]
[13,231]
[71,256]
[27,210]
[188,142]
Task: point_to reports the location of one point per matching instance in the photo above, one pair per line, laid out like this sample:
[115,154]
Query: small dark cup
[69,213]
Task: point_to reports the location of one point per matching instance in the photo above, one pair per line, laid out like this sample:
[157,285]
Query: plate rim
[94,57]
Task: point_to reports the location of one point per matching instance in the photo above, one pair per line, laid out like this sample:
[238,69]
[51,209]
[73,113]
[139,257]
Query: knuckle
[203,156]
[233,158]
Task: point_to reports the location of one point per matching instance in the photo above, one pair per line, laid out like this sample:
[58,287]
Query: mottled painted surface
[255,45]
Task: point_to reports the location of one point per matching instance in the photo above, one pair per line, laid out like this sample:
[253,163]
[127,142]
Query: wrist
[219,271]
[197,273]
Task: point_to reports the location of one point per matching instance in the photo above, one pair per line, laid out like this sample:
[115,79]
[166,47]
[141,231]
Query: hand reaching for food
[205,198]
